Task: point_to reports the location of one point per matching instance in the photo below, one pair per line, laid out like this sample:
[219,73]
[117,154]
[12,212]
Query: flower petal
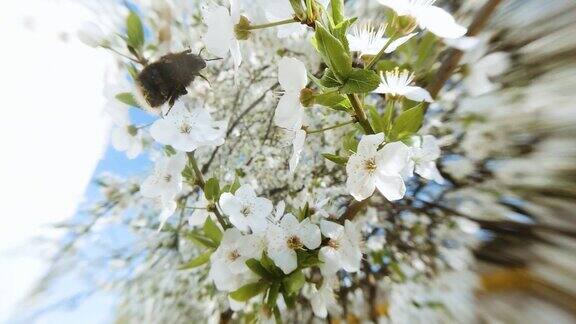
[438,21]
[391,187]
[398,42]
[289,112]
[284,258]
[309,234]
[360,186]
[331,230]
[298,145]
[417,94]
[393,158]
[292,74]
[401,7]
[368,144]
[428,170]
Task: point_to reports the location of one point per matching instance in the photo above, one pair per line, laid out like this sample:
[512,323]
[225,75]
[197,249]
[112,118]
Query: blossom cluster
[349,95]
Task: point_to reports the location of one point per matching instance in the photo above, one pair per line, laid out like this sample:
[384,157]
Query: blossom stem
[315,131]
[272,24]
[202,184]
[376,58]
[122,54]
[360,114]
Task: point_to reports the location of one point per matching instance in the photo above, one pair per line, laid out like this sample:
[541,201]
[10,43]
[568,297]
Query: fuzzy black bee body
[166,79]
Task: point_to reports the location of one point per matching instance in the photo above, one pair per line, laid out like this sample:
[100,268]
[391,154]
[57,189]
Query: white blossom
[188,129]
[322,299]
[166,181]
[276,10]
[369,40]
[370,168]
[427,16]
[220,38]
[293,79]
[397,84]
[127,139]
[423,156]
[246,210]
[343,248]
[285,238]
[228,267]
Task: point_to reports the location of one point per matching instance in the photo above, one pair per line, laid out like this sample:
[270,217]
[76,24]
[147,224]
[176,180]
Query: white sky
[52,131]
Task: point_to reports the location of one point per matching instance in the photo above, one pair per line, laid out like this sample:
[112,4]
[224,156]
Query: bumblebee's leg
[205,79]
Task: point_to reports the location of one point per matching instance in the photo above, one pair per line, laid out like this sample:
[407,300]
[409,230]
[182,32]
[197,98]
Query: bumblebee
[166,79]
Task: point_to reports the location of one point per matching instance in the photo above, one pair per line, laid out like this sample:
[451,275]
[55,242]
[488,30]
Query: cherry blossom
[246,210]
[323,298]
[370,168]
[285,238]
[423,156]
[427,16]
[397,84]
[369,40]
[293,79]
[343,248]
[220,38]
[166,181]
[127,139]
[228,267]
[187,129]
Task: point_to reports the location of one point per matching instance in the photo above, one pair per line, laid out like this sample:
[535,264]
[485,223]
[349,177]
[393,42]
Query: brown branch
[454,55]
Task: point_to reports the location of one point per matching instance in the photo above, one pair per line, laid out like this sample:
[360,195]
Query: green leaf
[361,81]
[132,71]
[233,186]
[335,158]
[273,295]
[333,53]
[329,80]
[269,265]
[337,11]
[340,30]
[197,261]
[328,99]
[375,119]
[127,98]
[212,231]
[134,31]
[386,65]
[248,291]
[202,240]
[298,8]
[212,189]
[408,123]
[258,269]
[350,143]
[293,282]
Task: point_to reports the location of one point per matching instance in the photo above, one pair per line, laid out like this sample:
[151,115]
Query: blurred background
[54,138]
